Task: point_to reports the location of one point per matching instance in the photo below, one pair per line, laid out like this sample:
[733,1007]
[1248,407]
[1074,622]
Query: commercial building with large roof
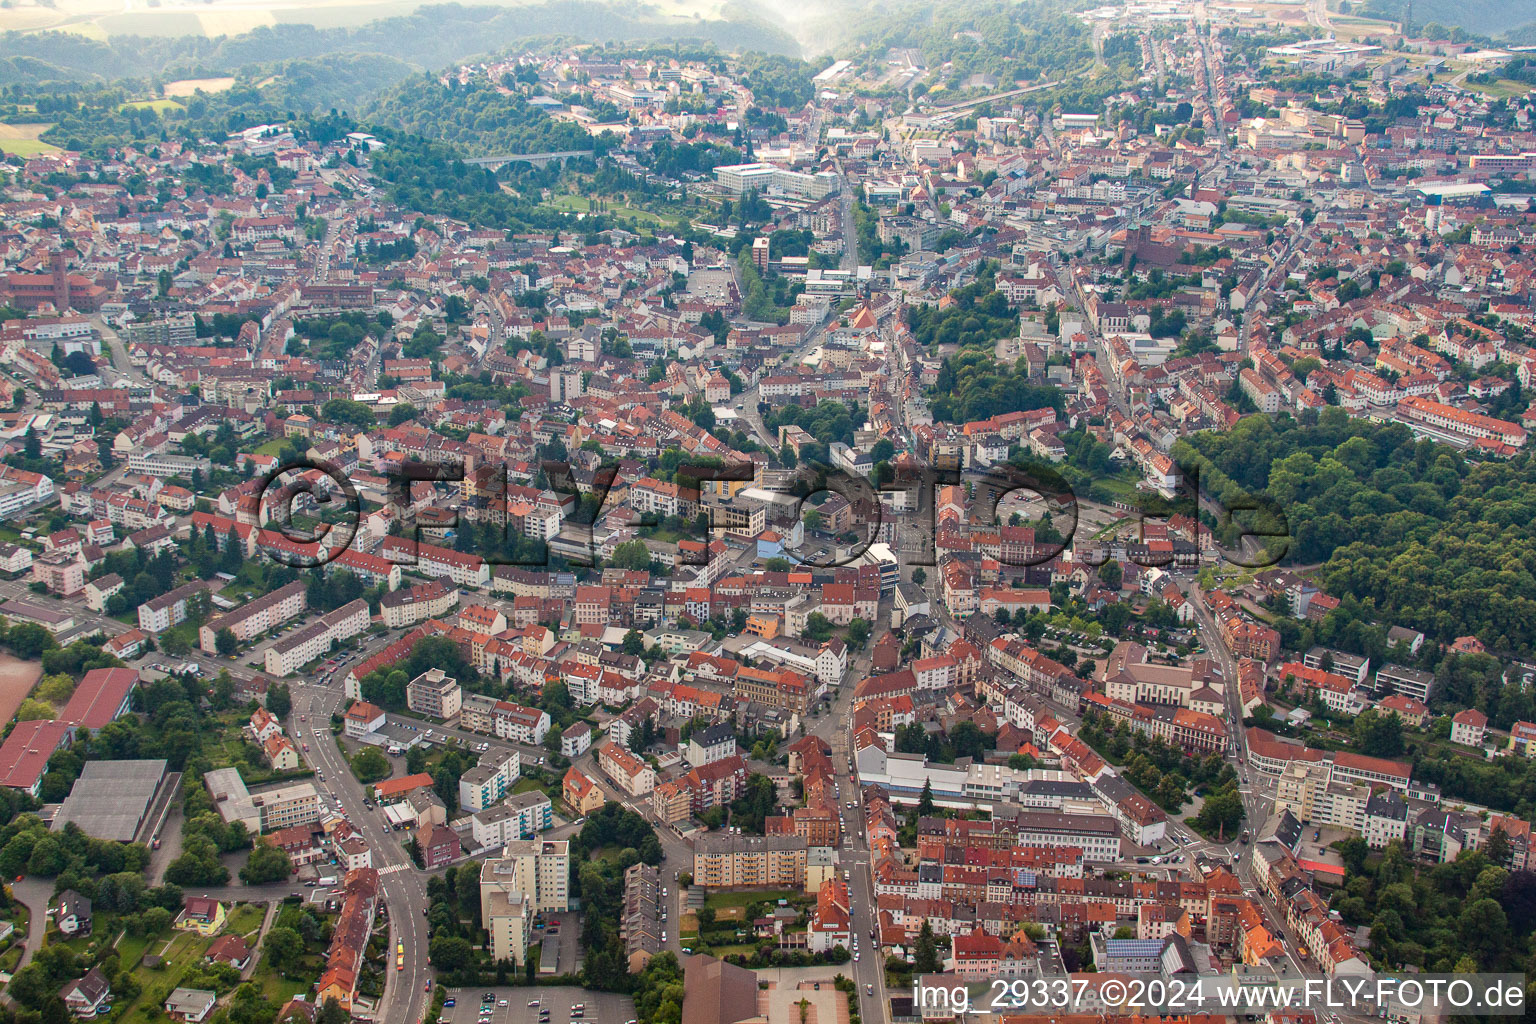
[25,753]
[113,799]
[103,696]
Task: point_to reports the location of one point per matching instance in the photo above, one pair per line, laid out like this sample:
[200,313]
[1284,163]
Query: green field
[130,948]
[566,203]
[245,920]
[718,901]
[22,139]
[526,785]
[273,447]
[1504,88]
[156,983]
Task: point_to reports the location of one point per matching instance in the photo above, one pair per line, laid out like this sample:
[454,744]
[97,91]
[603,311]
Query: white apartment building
[434,693]
[254,618]
[522,816]
[162,465]
[509,919]
[488,782]
[541,868]
[740,179]
[292,653]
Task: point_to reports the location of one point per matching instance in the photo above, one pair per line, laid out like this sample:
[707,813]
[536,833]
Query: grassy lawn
[739,900]
[724,951]
[579,204]
[22,139]
[274,986]
[245,920]
[11,959]
[526,785]
[1504,88]
[273,447]
[130,948]
[1122,487]
[156,983]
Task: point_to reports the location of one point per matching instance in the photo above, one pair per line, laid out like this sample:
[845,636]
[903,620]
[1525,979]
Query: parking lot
[601,1007]
[561,950]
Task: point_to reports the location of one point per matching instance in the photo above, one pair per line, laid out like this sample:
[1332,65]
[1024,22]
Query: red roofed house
[1467,727]
[832,920]
[582,795]
[440,847]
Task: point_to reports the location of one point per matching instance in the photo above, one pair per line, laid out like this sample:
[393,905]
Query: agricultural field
[22,139]
[189,86]
[1504,88]
[158,106]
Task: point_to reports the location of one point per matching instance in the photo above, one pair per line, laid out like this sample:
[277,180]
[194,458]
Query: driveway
[34,893]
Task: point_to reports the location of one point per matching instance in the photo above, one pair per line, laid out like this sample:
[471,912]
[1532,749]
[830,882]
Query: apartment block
[722,861]
[434,693]
[488,782]
[254,618]
[522,816]
[541,868]
[292,653]
[159,614]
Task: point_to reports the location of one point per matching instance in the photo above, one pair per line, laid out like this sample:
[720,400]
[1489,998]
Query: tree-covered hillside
[1486,18]
[477,119]
[431,37]
[1027,41]
[1417,533]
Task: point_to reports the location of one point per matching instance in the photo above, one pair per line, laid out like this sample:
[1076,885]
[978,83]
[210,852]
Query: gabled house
[73,916]
[85,996]
[202,915]
[190,1005]
[229,949]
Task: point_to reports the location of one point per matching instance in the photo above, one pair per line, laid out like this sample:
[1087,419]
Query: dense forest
[1466,18]
[95,120]
[973,386]
[1025,41]
[1418,535]
[1471,915]
[430,37]
[477,119]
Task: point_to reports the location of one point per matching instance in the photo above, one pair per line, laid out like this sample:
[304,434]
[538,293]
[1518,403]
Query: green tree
[283,947]
[925,799]
[29,641]
[450,953]
[1378,735]
[266,864]
[226,641]
[632,554]
[369,765]
[925,952]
